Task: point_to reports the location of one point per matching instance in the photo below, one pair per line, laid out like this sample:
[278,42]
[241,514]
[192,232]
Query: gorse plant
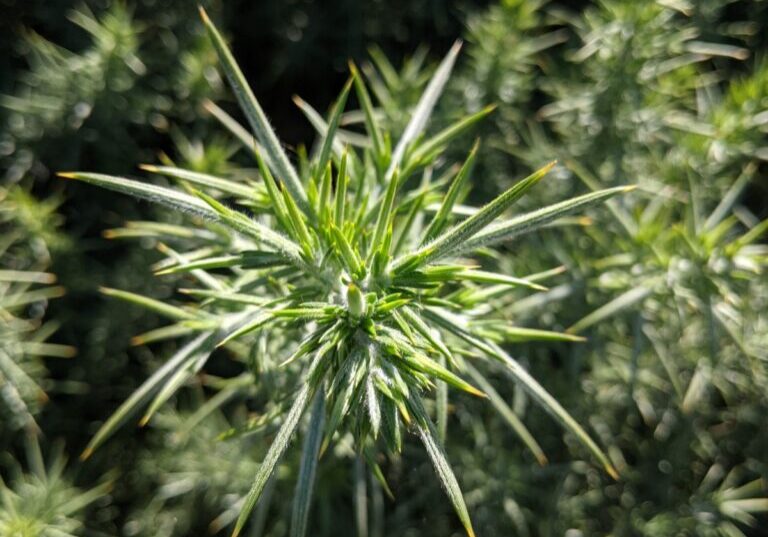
[44,502]
[674,282]
[28,228]
[351,275]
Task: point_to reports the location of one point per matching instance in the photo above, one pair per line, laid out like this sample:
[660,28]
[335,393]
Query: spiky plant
[67,99]
[676,278]
[44,502]
[27,227]
[352,272]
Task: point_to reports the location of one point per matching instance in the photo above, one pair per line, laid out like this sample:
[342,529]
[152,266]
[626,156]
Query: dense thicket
[667,285]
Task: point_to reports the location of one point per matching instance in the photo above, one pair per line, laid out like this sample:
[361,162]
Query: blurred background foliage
[669,286]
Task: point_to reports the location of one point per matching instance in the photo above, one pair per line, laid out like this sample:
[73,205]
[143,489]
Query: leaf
[351,259]
[275,452]
[340,196]
[431,147]
[525,223]
[210,181]
[333,125]
[166,310]
[252,259]
[730,197]
[192,365]
[278,160]
[26,276]
[371,124]
[424,108]
[501,279]
[443,470]
[444,212]
[527,382]
[302,497]
[618,304]
[250,228]
[156,194]
[145,391]
[239,132]
[508,414]
[519,333]
[374,409]
[384,216]
[454,238]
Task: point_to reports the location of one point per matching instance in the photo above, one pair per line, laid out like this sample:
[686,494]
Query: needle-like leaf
[255,115]
[305,484]
[275,452]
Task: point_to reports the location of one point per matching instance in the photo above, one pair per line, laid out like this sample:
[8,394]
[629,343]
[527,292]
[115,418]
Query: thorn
[144,420]
[67,175]
[204,15]
[612,472]
[86,454]
[629,188]
[149,168]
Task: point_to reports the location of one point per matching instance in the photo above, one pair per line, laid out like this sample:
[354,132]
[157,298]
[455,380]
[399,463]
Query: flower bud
[355,301]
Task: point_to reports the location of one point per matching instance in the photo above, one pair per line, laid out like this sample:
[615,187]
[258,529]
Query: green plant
[43,502]
[669,289]
[69,100]
[28,229]
[358,284]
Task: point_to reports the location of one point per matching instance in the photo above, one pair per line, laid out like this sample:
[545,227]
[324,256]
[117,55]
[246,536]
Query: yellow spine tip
[203,15]
[148,167]
[105,290]
[86,454]
[630,188]
[542,459]
[108,234]
[66,175]
[297,100]
[136,341]
[612,472]
[144,420]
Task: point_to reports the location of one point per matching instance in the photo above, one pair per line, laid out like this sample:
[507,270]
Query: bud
[355,301]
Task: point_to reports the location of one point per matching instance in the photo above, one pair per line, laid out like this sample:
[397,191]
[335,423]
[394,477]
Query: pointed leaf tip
[203,14]
[86,454]
[148,168]
[66,175]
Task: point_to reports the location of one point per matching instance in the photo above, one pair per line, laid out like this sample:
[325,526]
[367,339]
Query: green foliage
[674,279]
[98,94]
[28,230]
[44,503]
[344,316]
